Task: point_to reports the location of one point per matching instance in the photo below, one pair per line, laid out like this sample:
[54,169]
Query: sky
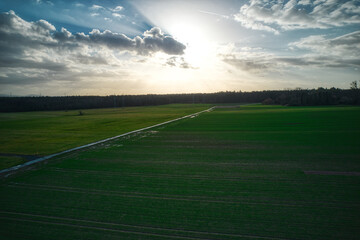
[93,47]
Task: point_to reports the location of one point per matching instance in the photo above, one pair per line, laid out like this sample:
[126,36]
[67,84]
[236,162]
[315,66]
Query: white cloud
[321,52]
[279,15]
[18,31]
[304,2]
[35,52]
[117,15]
[96,7]
[253,24]
[79,5]
[347,45]
[19,34]
[45,25]
[38,2]
[117,9]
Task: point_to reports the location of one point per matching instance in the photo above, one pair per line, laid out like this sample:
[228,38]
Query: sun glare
[198,46]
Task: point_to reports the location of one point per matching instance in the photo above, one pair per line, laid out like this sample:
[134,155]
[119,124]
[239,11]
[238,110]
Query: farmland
[252,172]
[33,134]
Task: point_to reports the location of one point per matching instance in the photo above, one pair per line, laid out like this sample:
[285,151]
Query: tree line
[291,97]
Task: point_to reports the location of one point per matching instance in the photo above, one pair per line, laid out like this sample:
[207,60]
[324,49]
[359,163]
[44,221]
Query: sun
[198,45]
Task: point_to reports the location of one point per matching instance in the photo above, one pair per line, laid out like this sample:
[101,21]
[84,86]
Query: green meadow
[252,172]
[44,133]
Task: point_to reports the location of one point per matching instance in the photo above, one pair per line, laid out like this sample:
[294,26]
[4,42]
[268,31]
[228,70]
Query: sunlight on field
[43,133]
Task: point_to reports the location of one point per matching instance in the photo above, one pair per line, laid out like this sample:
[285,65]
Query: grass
[44,133]
[9,161]
[228,174]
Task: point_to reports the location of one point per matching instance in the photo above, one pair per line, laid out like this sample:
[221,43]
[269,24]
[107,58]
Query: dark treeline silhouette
[296,97]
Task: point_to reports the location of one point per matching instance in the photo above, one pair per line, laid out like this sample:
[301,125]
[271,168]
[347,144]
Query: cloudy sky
[59,47]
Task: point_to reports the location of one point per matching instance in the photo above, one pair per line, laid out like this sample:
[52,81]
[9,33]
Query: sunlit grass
[42,133]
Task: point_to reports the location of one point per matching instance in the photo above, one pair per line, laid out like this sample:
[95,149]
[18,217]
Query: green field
[44,133]
[228,174]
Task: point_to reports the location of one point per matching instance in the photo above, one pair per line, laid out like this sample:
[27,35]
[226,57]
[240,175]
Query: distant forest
[295,97]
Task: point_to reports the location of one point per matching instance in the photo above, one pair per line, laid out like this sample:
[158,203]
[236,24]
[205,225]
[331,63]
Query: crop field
[252,172]
[28,135]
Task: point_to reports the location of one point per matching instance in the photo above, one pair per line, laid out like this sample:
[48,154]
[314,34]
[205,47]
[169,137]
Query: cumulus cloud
[13,29]
[153,40]
[37,50]
[13,24]
[274,16]
[20,37]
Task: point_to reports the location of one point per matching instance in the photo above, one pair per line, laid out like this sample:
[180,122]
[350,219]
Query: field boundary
[9,171]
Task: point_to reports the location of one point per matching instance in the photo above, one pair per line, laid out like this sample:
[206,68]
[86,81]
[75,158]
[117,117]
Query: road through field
[27,134]
[9,171]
